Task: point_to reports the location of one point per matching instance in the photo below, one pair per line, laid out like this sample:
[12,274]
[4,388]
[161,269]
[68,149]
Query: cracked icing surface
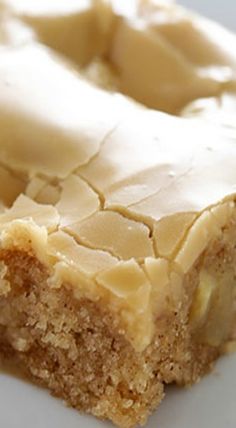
[96,232]
[108,193]
[51,121]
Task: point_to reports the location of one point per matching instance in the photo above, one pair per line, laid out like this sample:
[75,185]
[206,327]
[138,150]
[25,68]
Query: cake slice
[157,52]
[117,229]
[78,29]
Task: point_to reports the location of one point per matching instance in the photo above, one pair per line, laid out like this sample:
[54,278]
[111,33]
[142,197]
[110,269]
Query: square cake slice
[117,222]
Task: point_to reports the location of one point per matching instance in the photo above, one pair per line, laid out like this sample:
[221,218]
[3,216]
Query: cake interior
[76,347]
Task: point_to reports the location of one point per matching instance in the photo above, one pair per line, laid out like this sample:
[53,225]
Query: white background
[221,10]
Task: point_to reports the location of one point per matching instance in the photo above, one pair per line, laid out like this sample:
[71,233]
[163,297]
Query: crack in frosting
[116,199]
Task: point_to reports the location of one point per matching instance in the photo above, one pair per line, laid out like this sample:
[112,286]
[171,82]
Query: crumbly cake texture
[117,221]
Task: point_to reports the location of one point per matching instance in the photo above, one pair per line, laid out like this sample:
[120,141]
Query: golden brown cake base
[76,349]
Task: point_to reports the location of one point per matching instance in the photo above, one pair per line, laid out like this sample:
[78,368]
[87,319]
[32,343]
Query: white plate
[210,404]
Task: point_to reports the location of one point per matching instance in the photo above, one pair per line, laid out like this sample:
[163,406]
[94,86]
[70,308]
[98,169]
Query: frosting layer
[117,199]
